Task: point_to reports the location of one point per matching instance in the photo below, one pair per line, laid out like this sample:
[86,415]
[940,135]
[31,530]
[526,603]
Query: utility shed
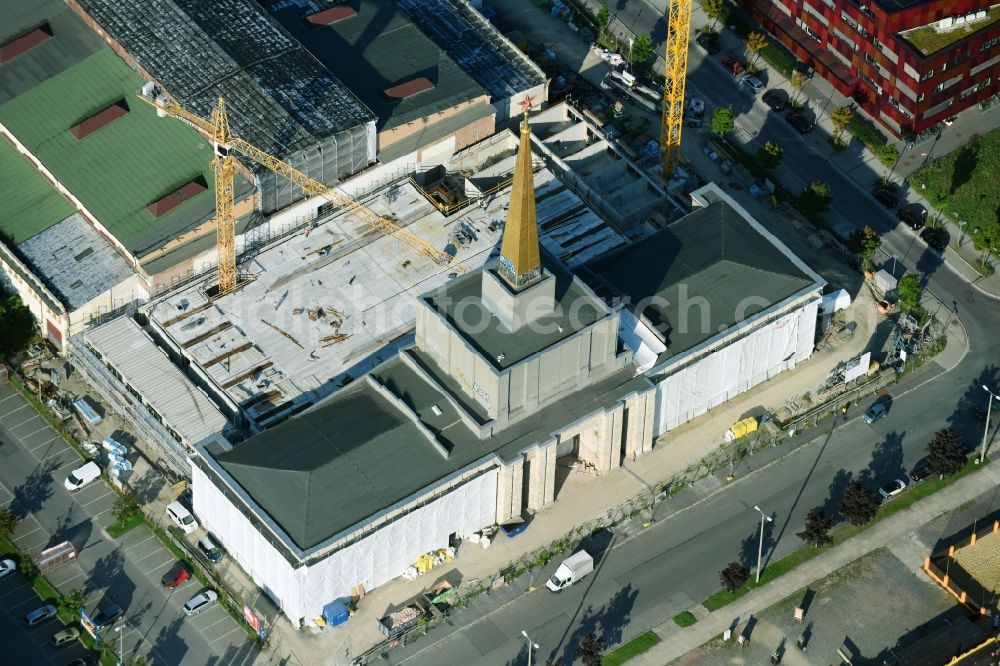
[278,96]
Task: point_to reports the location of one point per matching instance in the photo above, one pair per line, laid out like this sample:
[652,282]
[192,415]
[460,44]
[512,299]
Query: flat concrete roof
[460,302]
[366,284]
[701,276]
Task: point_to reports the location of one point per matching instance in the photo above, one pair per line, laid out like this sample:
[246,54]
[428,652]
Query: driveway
[34,462]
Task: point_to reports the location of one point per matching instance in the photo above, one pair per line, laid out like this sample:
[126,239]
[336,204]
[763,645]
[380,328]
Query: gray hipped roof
[700,276]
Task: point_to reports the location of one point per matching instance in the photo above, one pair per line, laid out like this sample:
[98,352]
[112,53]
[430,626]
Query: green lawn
[685,619]
[841,534]
[633,648]
[120,527]
[963,183]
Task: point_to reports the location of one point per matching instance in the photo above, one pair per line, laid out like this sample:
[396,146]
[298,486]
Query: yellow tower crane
[225,144]
[676,52]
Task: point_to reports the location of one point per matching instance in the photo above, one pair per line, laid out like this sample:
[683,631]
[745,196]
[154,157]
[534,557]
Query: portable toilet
[335,613]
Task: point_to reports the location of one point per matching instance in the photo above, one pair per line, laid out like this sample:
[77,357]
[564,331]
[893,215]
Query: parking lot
[34,463]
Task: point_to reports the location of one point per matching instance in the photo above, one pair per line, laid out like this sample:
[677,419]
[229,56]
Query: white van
[181,517]
[572,569]
[81,476]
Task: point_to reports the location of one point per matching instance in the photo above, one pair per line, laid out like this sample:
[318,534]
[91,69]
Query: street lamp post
[986,428]
[121,643]
[531,644]
[760,549]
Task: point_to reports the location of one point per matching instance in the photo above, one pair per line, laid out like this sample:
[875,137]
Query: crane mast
[676,52]
[226,144]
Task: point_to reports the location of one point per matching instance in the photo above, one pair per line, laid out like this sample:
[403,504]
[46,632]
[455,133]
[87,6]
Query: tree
[865,243]
[71,602]
[603,16]
[841,118]
[946,453]
[798,80]
[755,43]
[817,527]
[859,504]
[642,49]
[734,576]
[723,120]
[717,10]
[769,156]
[815,198]
[908,288]
[125,506]
[590,650]
[18,325]
[8,522]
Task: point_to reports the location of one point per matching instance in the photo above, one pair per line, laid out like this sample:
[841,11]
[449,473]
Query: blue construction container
[335,613]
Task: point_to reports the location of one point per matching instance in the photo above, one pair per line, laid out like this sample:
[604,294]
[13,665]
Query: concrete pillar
[541,475]
[972,541]
[640,424]
[509,480]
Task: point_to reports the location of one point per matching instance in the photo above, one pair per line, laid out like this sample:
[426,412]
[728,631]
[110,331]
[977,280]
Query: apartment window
[867,12]
[870,59]
[926,75]
[988,44]
[848,20]
[154,414]
[134,393]
[117,375]
[972,90]
[893,102]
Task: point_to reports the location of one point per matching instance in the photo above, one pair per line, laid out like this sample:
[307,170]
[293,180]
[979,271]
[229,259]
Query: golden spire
[520,260]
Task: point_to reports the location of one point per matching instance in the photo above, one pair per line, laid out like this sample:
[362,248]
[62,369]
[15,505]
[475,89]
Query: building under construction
[280,98]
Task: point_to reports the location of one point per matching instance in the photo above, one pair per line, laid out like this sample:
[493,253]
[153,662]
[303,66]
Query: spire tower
[520,260]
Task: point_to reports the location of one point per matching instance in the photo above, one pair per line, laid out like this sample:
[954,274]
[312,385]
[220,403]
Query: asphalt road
[665,569]
[34,462]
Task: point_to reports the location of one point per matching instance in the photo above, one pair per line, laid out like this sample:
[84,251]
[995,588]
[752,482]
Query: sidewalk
[678,642]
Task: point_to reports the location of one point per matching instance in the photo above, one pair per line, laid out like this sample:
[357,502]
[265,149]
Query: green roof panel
[30,204]
[125,165]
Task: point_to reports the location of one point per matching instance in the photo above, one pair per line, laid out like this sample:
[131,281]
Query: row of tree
[946,455]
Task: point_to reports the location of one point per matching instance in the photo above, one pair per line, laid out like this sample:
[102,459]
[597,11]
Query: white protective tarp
[372,561]
[645,346]
[731,370]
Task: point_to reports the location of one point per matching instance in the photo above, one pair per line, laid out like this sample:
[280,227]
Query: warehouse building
[719,306]
[279,97]
[420,96]
[513,366]
[96,186]
[908,63]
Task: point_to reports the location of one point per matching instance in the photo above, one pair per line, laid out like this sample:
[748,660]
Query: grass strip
[130,522]
[633,648]
[841,534]
[685,619]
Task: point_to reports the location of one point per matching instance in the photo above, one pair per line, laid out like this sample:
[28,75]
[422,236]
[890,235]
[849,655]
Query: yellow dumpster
[741,428]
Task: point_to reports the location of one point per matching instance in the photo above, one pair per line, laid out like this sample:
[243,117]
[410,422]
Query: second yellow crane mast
[224,197]
[676,52]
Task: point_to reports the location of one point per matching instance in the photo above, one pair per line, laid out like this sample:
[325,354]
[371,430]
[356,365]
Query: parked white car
[6,567]
[181,517]
[82,476]
[200,602]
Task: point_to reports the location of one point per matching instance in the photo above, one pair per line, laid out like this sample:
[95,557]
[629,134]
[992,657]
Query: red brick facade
[858,48]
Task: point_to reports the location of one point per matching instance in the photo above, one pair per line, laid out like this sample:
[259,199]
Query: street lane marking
[3,400]
[225,616]
[35,448]
[158,550]
[97,498]
[16,409]
[50,455]
[128,548]
[35,432]
[219,638]
[36,416]
[21,536]
[160,567]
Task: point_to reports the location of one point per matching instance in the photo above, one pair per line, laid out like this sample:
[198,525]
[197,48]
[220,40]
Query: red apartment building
[907,63]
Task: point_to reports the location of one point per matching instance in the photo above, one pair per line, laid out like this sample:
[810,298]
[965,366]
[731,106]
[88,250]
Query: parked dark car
[176,576]
[920,472]
[875,412]
[913,217]
[801,123]
[775,98]
[108,615]
[886,195]
[709,42]
[936,237]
